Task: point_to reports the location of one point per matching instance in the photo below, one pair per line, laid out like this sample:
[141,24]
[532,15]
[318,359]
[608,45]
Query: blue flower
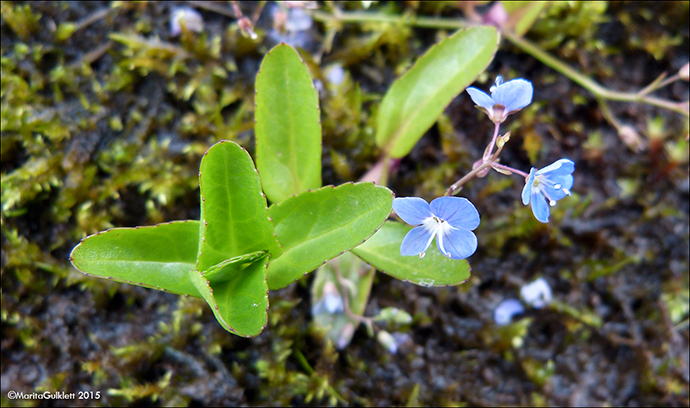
[449,219]
[507,310]
[546,186]
[506,98]
[537,294]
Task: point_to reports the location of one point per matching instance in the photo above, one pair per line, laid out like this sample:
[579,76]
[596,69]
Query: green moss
[21,19]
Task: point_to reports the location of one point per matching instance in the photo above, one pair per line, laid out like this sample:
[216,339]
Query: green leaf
[288,128]
[233,293]
[234,216]
[319,225]
[382,251]
[522,14]
[415,101]
[220,272]
[158,257]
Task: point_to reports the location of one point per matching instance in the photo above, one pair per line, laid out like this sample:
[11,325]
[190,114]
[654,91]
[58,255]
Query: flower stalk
[526,46]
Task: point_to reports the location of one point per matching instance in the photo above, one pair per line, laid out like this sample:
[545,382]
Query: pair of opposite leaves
[240,248]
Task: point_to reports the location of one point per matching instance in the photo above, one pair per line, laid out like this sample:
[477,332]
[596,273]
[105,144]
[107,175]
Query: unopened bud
[502,140]
[496,16]
[482,173]
[684,72]
[387,341]
[630,137]
[247,28]
[394,315]
[345,336]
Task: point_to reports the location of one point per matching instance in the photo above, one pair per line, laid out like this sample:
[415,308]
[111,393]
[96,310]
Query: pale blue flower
[449,219]
[546,186]
[507,310]
[191,19]
[506,98]
[331,301]
[537,294]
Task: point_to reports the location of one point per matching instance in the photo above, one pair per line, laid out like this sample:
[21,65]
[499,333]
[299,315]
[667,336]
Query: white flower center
[437,227]
[540,182]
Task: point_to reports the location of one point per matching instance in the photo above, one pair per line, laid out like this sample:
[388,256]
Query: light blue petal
[540,207]
[554,194]
[459,243]
[412,210]
[560,181]
[527,190]
[514,95]
[457,211]
[481,98]
[415,242]
[559,167]
[506,310]
[566,181]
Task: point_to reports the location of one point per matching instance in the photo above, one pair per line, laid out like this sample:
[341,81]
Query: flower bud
[482,173]
[684,72]
[387,341]
[502,140]
[345,336]
[394,315]
[247,28]
[630,137]
[190,18]
[496,16]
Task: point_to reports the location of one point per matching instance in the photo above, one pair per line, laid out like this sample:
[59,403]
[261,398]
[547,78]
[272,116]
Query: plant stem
[457,186]
[586,82]
[345,293]
[525,45]
[407,19]
[510,169]
[488,151]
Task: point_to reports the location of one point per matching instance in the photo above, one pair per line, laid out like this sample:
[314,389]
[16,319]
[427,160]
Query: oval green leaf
[415,101]
[234,215]
[382,251]
[233,296]
[319,225]
[158,257]
[288,128]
